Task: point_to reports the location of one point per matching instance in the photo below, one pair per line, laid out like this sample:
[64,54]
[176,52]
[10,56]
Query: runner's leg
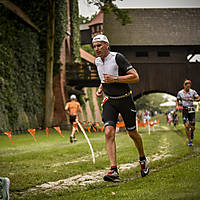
[191,117]
[110,144]
[135,136]
[109,116]
[187,130]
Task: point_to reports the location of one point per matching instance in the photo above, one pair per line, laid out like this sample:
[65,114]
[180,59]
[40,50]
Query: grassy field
[36,168]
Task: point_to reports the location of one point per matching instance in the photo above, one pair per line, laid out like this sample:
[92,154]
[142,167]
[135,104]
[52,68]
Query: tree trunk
[49,96]
[68,36]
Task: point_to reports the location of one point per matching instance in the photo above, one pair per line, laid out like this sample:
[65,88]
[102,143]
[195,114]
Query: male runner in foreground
[187,96]
[115,72]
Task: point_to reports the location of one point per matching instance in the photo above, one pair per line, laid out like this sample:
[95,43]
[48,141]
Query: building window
[142,54]
[163,54]
[95,28]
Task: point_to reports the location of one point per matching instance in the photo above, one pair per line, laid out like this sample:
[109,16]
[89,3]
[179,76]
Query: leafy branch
[108,6]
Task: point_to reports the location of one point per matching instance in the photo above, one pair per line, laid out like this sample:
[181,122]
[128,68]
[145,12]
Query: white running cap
[73,96]
[100,38]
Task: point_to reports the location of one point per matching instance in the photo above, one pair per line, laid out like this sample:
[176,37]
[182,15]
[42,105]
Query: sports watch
[115,79]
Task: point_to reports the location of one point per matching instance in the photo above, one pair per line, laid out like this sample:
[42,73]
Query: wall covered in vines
[23,62]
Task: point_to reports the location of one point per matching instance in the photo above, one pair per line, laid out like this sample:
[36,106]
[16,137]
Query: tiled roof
[98,19]
[169,26]
[87,56]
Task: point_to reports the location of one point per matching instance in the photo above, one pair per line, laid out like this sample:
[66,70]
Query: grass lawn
[174,166]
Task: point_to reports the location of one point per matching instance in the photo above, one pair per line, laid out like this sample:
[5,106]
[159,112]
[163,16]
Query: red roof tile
[87,56]
[98,19]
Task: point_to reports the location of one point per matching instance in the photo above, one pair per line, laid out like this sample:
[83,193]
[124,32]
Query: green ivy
[23,62]
[20,66]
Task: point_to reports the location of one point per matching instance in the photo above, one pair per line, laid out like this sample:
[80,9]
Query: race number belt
[122,96]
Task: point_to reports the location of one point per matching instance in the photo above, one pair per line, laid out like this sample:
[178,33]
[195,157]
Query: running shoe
[75,140]
[190,144]
[4,188]
[71,139]
[112,176]
[144,168]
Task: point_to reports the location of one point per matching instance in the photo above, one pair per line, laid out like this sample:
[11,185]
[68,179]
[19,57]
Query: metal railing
[82,74]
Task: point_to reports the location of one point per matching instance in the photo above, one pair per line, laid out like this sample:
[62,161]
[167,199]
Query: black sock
[142,158]
[192,134]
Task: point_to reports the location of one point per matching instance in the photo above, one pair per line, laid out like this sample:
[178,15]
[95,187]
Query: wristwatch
[115,79]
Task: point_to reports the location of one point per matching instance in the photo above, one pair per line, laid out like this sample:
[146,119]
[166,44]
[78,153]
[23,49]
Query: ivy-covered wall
[23,62]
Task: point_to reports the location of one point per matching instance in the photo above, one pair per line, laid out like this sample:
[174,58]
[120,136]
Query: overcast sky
[88,10]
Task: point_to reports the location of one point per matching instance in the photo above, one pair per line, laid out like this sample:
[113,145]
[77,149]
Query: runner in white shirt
[115,72]
[187,96]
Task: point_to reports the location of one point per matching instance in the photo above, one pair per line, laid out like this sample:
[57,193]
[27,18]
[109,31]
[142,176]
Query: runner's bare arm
[177,103]
[188,99]
[197,98]
[80,109]
[67,108]
[99,92]
[130,77]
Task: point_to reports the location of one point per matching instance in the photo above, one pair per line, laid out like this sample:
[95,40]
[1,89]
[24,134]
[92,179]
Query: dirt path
[96,106]
[96,176]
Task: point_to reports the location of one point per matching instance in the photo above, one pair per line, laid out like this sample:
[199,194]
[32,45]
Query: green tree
[108,6]
[86,20]
[49,96]
[150,102]
[88,48]
[75,31]
[142,103]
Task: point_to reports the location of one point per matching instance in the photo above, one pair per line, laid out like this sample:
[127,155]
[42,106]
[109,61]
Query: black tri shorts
[125,106]
[188,117]
[72,118]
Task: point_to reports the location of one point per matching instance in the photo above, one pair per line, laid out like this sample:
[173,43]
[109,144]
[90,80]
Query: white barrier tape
[86,137]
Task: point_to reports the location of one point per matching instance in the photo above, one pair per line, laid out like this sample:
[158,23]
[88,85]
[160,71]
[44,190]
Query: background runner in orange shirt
[73,108]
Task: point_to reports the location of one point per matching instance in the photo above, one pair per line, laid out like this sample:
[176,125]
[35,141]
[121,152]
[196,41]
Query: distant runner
[187,96]
[175,118]
[73,108]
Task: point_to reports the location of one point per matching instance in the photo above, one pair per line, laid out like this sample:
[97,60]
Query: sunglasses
[187,83]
